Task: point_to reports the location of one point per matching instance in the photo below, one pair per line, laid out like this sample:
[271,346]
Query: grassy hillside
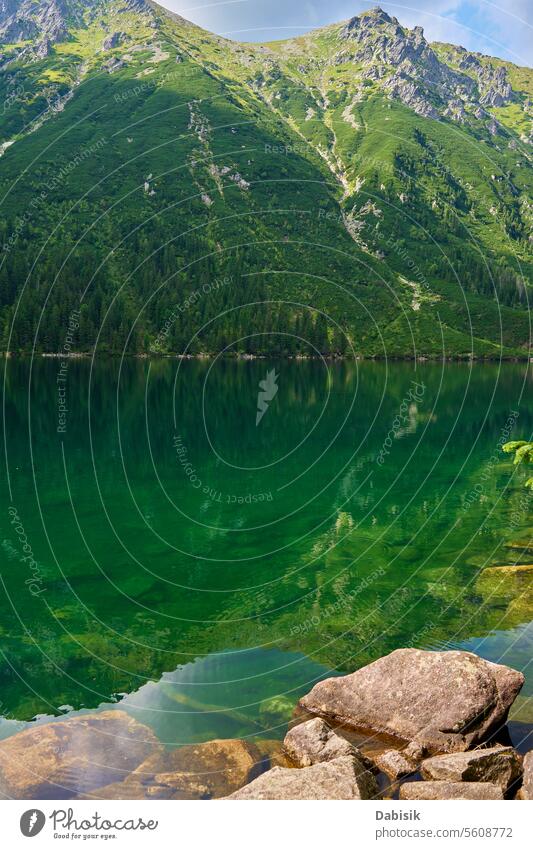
[171,191]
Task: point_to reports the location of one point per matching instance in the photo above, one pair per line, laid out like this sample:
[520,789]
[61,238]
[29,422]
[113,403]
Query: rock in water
[204,771]
[526,791]
[62,759]
[395,764]
[342,778]
[421,790]
[313,742]
[500,766]
[444,701]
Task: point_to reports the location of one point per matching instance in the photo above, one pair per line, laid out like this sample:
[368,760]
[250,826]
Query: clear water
[203,571]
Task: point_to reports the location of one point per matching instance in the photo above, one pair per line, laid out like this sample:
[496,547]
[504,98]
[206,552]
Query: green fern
[523,452]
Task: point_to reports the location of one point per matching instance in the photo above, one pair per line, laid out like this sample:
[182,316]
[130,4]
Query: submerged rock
[518,569]
[63,759]
[395,764]
[525,545]
[442,701]
[272,753]
[204,771]
[342,778]
[421,790]
[275,711]
[500,765]
[313,742]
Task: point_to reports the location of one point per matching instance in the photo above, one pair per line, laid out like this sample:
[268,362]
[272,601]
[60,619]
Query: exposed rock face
[420,79]
[402,88]
[313,742]
[526,791]
[500,766]
[421,790]
[205,771]
[63,759]
[113,65]
[493,83]
[113,41]
[50,19]
[442,701]
[342,778]
[395,764]
[47,18]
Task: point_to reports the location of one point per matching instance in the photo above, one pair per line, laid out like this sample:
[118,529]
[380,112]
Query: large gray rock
[443,701]
[422,790]
[62,759]
[313,742]
[342,778]
[499,766]
[526,791]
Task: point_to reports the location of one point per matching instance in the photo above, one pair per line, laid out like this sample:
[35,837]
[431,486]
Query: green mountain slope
[354,191]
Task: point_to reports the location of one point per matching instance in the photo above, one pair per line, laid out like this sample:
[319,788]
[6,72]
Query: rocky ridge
[408,69]
[49,22]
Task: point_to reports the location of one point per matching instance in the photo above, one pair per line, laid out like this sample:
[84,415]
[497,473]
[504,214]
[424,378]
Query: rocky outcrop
[402,88]
[496,89]
[442,701]
[65,758]
[420,79]
[204,771]
[313,742]
[342,778]
[51,20]
[112,41]
[500,766]
[26,20]
[113,65]
[417,791]
[526,791]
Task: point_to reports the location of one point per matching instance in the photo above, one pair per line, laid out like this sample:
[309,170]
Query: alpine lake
[168,552]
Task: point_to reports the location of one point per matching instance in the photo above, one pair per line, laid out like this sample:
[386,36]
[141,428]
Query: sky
[503,28]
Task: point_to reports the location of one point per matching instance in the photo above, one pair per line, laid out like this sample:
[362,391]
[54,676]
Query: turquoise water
[203,571]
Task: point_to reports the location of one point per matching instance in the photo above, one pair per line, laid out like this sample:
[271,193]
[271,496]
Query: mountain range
[353,191]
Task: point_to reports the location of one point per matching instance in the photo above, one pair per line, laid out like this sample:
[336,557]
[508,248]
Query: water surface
[203,571]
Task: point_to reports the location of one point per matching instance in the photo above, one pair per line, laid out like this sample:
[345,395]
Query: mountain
[356,190]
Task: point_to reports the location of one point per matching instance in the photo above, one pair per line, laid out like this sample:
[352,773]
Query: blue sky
[502,28]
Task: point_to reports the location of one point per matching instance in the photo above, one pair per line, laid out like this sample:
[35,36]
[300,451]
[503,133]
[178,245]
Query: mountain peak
[50,20]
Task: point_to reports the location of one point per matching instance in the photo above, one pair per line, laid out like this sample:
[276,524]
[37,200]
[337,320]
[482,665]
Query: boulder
[62,759]
[204,771]
[501,765]
[342,778]
[526,791]
[313,742]
[395,764]
[441,701]
[415,791]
